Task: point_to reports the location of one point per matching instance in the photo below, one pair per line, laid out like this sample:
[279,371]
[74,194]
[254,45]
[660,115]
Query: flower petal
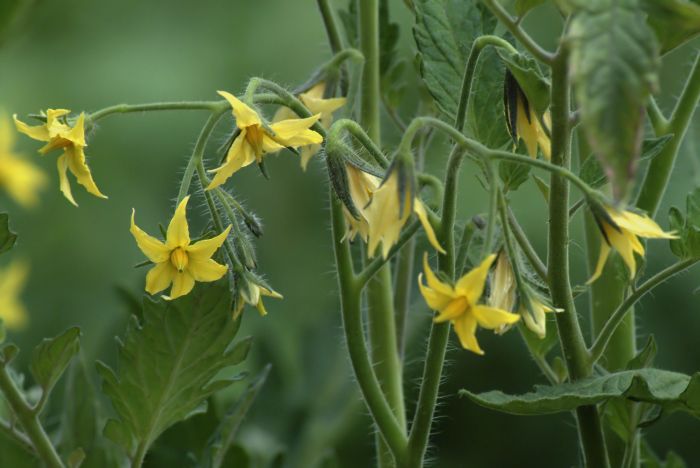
[64,184]
[295,132]
[602,258]
[159,277]
[183,282]
[456,308]
[490,317]
[433,282]
[206,270]
[81,171]
[76,135]
[204,249]
[465,327]
[240,155]
[178,234]
[419,209]
[642,226]
[38,132]
[472,284]
[623,243]
[245,115]
[152,248]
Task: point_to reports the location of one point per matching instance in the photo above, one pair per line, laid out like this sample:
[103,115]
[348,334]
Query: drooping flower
[522,120]
[21,179]
[621,230]
[535,318]
[12,280]
[314,101]
[389,210]
[458,303]
[176,260]
[361,186]
[59,135]
[257,138]
[503,288]
[252,293]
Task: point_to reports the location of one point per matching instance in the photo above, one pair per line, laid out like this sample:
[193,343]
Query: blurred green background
[88,54]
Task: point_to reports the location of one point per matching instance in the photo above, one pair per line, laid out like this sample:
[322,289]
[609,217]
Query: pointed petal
[245,115]
[159,277]
[239,155]
[151,247]
[295,132]
[183,282]
[39,132]
[640,225]
[465,327]
[419,209]
[81,171]
[204,249]
[433,282]
[270,293]
[602,258]
[456,308]
[620,241]
[472,284]
[206,270]
[178,230]
[490,317]
[76,135]
[64,184]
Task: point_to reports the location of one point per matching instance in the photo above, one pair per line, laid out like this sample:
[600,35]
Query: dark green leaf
[675,22]
[671,390]
[51,357]
[614,61]
[7,237]
[513,175]
[388,39]
[645,358]
[686,227]
[168,363]
[486,115]
[222,440]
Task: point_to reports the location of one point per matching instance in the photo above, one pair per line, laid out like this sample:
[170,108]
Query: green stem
[18,437]
[659,172]
[211,106]
[526,246]
[493,209]
[463,250]
[402,292]
[618,316]
[350,293]
[354,129]
[378,262]
[368,23]
[657,118]
[570,336]
[513,26]
[29,421]
[334,38]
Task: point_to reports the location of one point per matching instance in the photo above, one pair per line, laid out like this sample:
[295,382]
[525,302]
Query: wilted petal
[38,132]
[64,184]
[422,214]
[78,166]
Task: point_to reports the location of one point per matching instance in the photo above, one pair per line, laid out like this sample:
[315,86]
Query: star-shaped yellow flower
[21,179]
[12,311]
[458,303]
[386,214]
[314,101]
[59,135]
[624,235]
[177,261]
[256,139]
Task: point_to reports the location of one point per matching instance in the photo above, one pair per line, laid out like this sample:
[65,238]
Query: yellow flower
[503,288]
[621,231]
[314,101]
[361,186]
[253,296]
[256,138]
[177,261]
[12,279]
[386,214]
[458,303]
[535,318]
[522,121]
[71,140]
[21,179]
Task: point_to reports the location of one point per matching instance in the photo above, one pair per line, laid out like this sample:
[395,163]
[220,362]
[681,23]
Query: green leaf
[529,77]
[169,364]
[671,390]
[388,39]
[614,62]
[486,115]
[51,357]
[513,175]
[644,358]
[675,22]
[523,6]
[7,237]
[592,173]
[687,227]
[222,440]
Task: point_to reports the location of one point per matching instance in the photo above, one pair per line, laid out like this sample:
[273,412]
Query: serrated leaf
[7,237]
[513,175]
[168,363]
[614,62]
[686,227]
[529,78]
[221,441]
[51,357]
[486,115]
[671,390]
[675,22]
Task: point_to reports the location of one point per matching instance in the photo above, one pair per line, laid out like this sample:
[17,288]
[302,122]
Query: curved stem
[29,421]
[334,38]
[513,26]
[618,316]
[211,106]
[658,120]
[354,129]
[378,262]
